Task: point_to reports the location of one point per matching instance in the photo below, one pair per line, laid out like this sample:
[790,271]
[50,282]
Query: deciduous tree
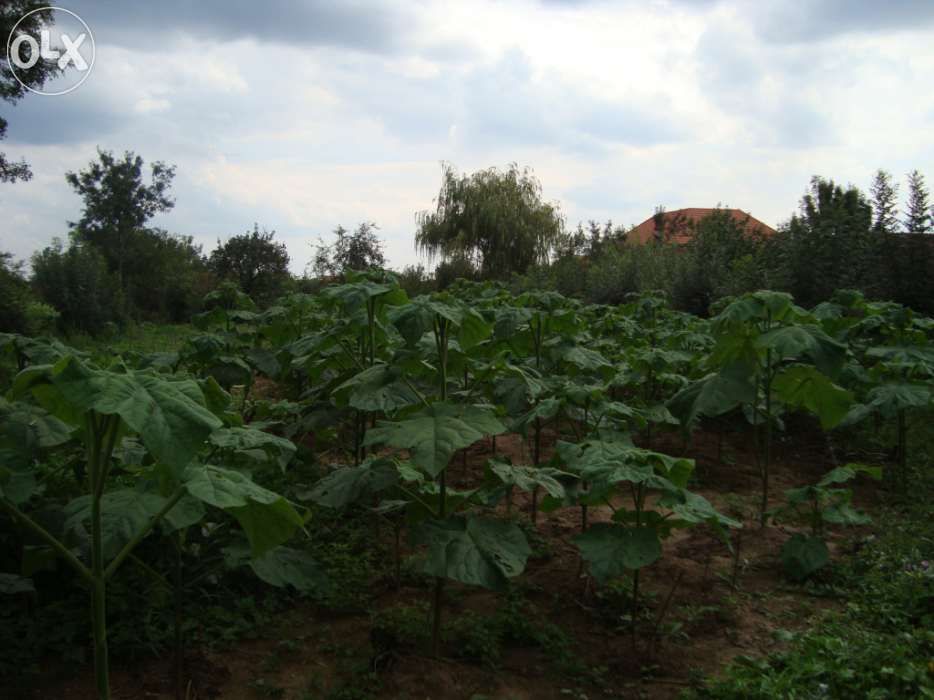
[360,250]
[11,89]
[255,261]
[117,204]
[495,219]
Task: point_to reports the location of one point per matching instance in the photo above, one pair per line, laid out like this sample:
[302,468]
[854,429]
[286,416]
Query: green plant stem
[99,581]
[179,636]
[902,449]
[49,539]
[767,448]
[441,343]
[108,427]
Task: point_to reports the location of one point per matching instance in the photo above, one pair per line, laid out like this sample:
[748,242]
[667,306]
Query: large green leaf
[475,551]
[418,317]
[45,430]
[804,386]
[844,514]
[25,429]
[529,478]
[711,396]
[796,342]
[891,397]
[509,321]
[615,461]
[436,432]
[187,512]
[377,388]
[355,295]
[348,485]
[254,445]
[516,387]
[281,567]
[848,472]
[612,550]
[472,330]
[169,415]
[123,514]
[919,357]
[266,517]
[542,410]
[753,308]
[693,508]
[803,555]
[584,358]
[230,371]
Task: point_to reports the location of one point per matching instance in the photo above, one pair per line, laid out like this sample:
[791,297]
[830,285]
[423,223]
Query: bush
[41,319]
[77,284]
[879,646]
[14,296]
[415,280]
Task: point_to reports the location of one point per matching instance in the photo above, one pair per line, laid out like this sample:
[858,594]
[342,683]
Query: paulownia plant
[769,354]
[821,503]
[470,549]
[99,408]
[634,539]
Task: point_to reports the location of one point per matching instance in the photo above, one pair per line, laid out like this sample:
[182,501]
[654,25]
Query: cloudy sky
[304,115]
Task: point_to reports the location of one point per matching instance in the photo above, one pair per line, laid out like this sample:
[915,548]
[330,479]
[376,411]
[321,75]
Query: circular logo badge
[66,44]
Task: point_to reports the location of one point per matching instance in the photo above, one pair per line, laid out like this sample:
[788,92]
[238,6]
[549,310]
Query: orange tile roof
[679,225]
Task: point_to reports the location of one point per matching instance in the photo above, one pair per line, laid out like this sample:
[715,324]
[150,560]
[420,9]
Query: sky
[302,116]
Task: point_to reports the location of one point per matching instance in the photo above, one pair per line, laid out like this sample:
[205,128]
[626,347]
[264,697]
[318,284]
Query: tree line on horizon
[492,224]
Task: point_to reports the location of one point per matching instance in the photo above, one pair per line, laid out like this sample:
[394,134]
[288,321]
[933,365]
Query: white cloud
[617,107]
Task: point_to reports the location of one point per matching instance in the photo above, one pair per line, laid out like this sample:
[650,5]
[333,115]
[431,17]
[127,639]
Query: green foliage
[495,220]
[830,245]
[476,551]
[14,297]
[79,285]
[803,555]
[612,551]
[360,250]
[117,205]
[884,203]
[434,433]
[254,261]
[918,213]
[103,410]
[879,645]
[28,16]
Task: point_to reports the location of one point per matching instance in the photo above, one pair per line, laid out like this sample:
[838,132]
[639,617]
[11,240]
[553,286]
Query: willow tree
[494,219]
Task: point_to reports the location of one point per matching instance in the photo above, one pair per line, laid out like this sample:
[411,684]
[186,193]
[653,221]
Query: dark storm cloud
[63,119]
[373,27]
[781,21]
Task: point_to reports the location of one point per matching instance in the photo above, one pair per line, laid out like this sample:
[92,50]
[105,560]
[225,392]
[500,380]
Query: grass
[881,644]
[137,337]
